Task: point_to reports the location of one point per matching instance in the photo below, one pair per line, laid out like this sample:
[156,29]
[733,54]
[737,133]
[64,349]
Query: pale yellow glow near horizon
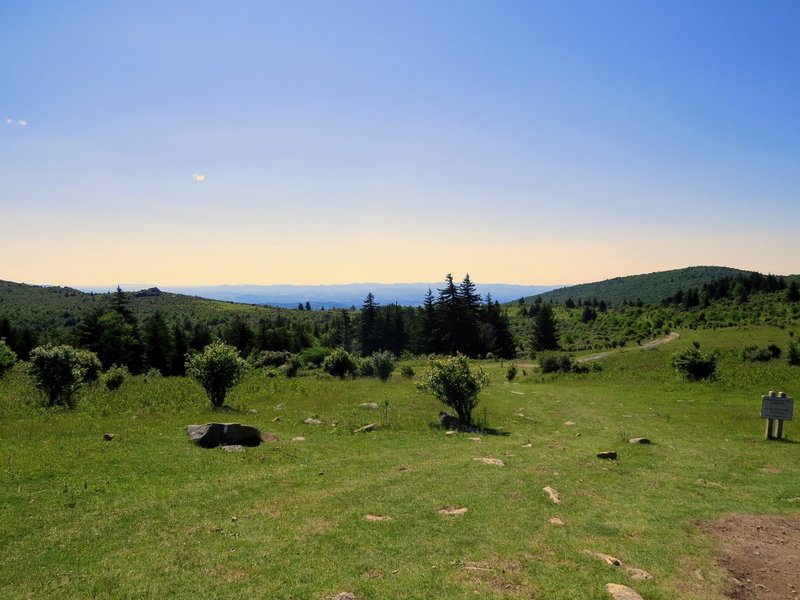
[559,260]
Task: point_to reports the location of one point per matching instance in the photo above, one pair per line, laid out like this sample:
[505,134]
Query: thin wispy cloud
[17,122]
[198,176]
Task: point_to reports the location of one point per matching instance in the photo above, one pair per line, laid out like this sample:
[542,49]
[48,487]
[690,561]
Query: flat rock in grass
[528,445]
[555,521]
[298,438]
[474,439]
[639,440]
[554,495]
[638,574]
[569,423]
[280,406]
[450,432]
[490,461]
[377,518]
[312,421]
[233,448]
[453,511]
[212,435]
[369,405]
[269,437]
[108,436]
[365,428]
[608,455]
[342,596]
[622,592]
[606,558]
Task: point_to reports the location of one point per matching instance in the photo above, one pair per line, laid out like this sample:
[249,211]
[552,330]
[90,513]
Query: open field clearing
[321,511]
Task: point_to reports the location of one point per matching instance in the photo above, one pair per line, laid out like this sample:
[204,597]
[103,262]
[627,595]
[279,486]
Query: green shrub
[755,353]
[511,372]
[7,358]
[292,366]
[551,362]
[269,358]
[315,355]
[384,364]
[794,353]
[115,377]
[340,363]
[218,368]
[452,382]
[59,372]
[694,364]
[91,364]
[407,371]
[365,367]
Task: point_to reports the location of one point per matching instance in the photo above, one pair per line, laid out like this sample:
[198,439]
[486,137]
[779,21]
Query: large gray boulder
[211,435]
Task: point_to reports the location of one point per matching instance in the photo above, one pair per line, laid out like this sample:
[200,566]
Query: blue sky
[524,142]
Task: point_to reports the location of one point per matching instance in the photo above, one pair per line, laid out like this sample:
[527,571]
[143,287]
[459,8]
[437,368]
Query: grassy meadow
[149,514]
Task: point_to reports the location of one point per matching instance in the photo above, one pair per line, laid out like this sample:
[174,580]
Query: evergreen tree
[178,351]
[793,294]
[369,325]
[544,330]
[157,343]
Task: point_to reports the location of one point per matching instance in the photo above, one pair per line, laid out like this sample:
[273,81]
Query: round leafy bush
[115,377]
[452,382]
[58,371]
[339,363]
[694,364]
[384,364]
[407,371]
[218,368]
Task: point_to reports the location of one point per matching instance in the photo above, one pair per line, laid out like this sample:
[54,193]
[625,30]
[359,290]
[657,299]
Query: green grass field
[149,514]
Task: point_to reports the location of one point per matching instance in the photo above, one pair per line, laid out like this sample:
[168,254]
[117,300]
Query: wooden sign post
[776,408]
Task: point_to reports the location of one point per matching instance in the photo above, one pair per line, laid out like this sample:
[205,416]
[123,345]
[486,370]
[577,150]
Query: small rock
[211,435]
[450,432]
[528,445]
[233,448]
[377,518]
[610,455]
[474,439]
[555,521]
[622,592]
[269,437]
[606,558]
[365,428]
[639,441]
[490,461]
[452,511]
[280,406]
[554,495]
[569,423]
[298,438]
[252,411]
[108,436]
[312,421]
[276,420]
[369,405]
[518,393]
[638,574]
[449,421]
[519,414]
[342,596]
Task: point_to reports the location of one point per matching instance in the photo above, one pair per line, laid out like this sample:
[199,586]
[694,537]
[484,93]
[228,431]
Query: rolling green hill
[650,288]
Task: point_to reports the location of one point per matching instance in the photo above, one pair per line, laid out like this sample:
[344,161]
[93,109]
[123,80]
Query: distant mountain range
[330,296]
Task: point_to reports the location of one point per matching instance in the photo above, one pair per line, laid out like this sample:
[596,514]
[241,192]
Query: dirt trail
[671,336]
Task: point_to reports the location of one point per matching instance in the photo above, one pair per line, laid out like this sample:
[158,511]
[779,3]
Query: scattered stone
[280,406]
[252,411]
[276,420]
[449,421]
[569,423]
[609,455]
[365,428]
[474,439]
[639,440]
[234,519]
[233,448]
[369,405]
[108,436]
[555,521]
[528,445]
[450,432]
[312,421]
[490,461]
[298,438]
[224,408]
[519,414]
[518,393]
[269,437]
[622,592]
[638,574]
[453,511]
[606,558]
[554,495]
[771,470]
[342,596]
[377,518]
[211,435]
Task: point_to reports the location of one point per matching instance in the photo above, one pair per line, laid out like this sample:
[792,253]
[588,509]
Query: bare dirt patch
[762,554]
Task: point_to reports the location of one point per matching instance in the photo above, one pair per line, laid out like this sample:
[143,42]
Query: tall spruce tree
[544,330]
[369,325]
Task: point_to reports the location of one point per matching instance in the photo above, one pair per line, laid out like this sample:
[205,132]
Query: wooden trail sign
[776,408]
